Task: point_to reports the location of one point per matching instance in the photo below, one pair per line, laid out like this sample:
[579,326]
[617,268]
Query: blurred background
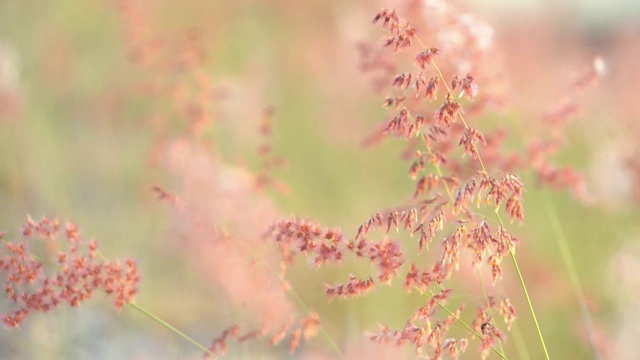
[102,100]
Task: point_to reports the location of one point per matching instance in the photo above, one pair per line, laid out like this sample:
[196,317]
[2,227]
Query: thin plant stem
[439,172]
[484,293]
[323,332]
[567,260]
[484,171]
[520,343]
[164,323]
[137,307]
[171,328]
[449,193]
[526,294]
[469,328]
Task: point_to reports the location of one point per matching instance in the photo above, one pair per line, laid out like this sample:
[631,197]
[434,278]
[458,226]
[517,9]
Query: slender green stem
[171,328]
[470,328]
[137,307]
[526,294]
[439,172]
[475,149]
[323,332]
[484,293]
[570,266]
[521,344]
[484,171]
[484,290]
[164,323]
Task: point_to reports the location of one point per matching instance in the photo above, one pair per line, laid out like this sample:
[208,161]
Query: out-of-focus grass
[69,157]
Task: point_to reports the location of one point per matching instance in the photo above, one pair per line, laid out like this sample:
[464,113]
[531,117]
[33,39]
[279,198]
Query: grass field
[180,134]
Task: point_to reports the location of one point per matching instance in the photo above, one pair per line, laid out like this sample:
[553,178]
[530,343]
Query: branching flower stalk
[79,273]
[512,251]
[484,292]
[444,141]
[424,329]
[470,329]
[446,116]
[484,171]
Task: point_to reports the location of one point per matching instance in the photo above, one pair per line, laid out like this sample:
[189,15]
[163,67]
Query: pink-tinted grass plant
[466,185]
[78,272]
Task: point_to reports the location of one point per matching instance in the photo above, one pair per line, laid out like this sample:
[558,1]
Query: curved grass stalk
[521,345]
[484,294]
[470,329]
[138,308]
[567,260]
[526,294]
[155,318]
[484,171]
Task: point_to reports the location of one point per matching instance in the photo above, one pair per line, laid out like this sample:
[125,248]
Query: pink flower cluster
[76,272]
